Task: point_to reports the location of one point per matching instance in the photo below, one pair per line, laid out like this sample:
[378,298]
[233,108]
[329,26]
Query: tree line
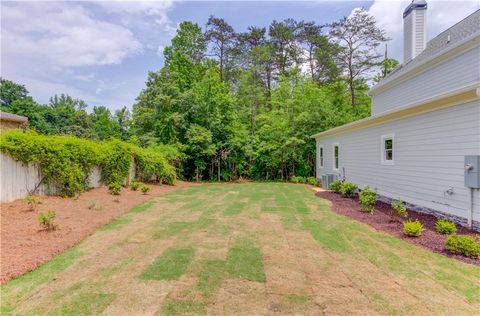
[237,104]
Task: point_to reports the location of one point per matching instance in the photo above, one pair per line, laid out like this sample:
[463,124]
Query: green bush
[145,189]
[65,162]
[367,198]
[312,180]
[115,188]
[47,220]
[399,209]
[348,189]
[32,201]
[135,185]
[336,186]
[446,227]
[464,245]
[296,179]
[413,228]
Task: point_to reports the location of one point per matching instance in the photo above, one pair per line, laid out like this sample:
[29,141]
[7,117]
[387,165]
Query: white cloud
[440,16]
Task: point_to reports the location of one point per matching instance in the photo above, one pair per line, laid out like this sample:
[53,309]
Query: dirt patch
[381,220]
[24,246]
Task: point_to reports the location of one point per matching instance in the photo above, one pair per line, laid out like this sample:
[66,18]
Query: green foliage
[399,209]
[135,185]
[464,245]
[367,198]
[336,186]
[32,201]
[145,189]
[296,179]
[444,226]
[65,162]
[312,180]
[412,228]
[115,188]
[348,189]
[47,220]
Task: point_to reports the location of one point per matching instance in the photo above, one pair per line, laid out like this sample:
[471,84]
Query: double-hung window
[336,156]
[320,156]
[388,145]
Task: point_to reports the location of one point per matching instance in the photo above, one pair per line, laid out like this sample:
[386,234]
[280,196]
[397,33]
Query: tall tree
[358,36]
[222,38]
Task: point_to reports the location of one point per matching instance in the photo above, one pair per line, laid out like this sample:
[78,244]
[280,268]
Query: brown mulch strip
[25,246]
[381,221]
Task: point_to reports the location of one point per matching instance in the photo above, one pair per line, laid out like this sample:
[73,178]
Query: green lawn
[253,248]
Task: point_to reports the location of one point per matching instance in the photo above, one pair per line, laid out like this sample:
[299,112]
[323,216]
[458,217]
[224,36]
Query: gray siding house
[422,141]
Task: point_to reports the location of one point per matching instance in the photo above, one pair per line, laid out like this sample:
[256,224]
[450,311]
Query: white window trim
[321,157]
[333,156]
[382,150]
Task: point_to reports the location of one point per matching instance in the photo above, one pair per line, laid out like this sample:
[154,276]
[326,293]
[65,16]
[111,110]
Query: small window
[320,156]
[387,149]
[336,156]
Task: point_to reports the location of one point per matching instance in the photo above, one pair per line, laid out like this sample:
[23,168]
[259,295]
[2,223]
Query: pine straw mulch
[381,221]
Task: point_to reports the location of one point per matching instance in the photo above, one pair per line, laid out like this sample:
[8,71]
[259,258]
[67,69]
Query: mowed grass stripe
[170,265]
[143,207]
[246,263]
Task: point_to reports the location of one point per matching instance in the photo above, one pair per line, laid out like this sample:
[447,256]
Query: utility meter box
[472,171]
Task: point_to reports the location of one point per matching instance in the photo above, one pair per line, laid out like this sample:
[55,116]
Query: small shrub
[135,185]
[413,228]
[115,188]
[296,179]
[145,189]
[336,186]
[312,180]
[464,245]
[367,198]
[399,209]
[47,220]
[32,201]
[94,205]
[446,227]
[348,189]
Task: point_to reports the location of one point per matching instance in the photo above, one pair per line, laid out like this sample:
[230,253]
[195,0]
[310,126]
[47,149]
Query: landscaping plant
[412,228]
[135,185]
[115,188]
[145,189]
[296,179]
[348,189]
[336,186]
[399,209]
[367,198]
[33,202]
[94,205]
[312,180]
[444,226]
[47,220]
[464,245]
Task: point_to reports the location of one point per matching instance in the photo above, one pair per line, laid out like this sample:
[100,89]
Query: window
[336,156]
[387,149]
[320,156]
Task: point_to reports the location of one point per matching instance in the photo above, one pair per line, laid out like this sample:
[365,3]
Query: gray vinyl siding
[452,74]
[429,152]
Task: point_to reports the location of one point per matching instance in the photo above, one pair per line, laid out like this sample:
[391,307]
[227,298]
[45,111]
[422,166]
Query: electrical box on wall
[472,171]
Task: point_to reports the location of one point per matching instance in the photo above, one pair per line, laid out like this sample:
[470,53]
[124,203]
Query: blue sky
[101,51]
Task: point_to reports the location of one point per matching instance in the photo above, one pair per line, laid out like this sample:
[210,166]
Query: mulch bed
[25,246]
[381,221]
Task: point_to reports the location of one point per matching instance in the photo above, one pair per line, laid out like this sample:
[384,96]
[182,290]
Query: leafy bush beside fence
[65,162]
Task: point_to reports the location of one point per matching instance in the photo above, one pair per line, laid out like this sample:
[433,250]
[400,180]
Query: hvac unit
[327,179]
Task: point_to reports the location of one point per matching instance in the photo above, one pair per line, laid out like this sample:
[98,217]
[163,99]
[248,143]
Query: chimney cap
[415,5]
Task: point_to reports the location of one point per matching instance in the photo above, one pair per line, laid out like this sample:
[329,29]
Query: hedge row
[65,162]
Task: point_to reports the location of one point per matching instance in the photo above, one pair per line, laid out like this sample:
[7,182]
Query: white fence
[18,180]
